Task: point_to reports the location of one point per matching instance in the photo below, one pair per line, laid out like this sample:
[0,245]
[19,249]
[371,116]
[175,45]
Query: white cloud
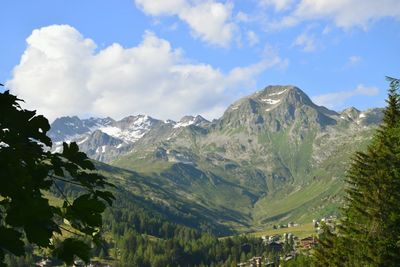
[326,30]
[252,38]
[160,7]
[337,99]
[208,20]
[354,60]
[242,17]
[61,73]
[279,5]
[275,60]
[306,42]
[344,13]
[367,91]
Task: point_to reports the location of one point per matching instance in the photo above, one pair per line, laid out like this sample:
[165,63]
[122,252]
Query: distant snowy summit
[105,138]
[274,109]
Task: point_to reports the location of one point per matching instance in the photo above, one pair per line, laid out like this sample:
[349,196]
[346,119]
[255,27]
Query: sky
[170,58]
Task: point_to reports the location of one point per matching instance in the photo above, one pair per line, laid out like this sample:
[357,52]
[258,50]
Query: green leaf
[71,152]
[27,171]
[39,125]
[56,162]
[10,240]
[106,195]
[85,213]
[70,248]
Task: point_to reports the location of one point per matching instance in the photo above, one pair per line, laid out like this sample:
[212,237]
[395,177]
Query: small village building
[308,242]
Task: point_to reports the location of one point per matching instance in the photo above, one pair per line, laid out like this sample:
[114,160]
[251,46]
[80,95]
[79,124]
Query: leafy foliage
[369,234]
[28,169]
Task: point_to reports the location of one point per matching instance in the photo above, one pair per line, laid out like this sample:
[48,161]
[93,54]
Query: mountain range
[273,157]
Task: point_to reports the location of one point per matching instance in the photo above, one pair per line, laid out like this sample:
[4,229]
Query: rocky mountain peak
[115,137]
[350,114]
[66,128]
[272,97]
[93,122]
[362,118]
[136,122]
[186,119]
[371,116]
[276,94]
[274,108]
[191,120]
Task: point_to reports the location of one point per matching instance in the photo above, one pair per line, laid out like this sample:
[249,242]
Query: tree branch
[60,191]
[66,181]
[69,231]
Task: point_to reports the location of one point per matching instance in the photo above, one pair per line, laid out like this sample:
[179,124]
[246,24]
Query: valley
[274,157]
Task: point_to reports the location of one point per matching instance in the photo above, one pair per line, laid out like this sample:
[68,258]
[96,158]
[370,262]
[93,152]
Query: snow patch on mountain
[111,130]
[185,123]
[83,140]
[131,134]
[190,120]
[101,149]
[270,101]
[278,93]
[127,131]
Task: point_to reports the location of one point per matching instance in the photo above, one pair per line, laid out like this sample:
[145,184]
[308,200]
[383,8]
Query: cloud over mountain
[336,100]
[63,73]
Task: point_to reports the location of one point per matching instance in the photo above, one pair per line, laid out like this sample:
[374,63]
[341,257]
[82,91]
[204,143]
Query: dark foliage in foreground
[28,171]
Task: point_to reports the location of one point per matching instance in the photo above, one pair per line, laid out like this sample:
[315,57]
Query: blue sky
[177,57]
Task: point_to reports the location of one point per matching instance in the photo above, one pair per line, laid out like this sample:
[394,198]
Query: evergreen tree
[392,111]
[369,234]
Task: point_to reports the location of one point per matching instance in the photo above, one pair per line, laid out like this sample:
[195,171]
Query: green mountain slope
[273,157]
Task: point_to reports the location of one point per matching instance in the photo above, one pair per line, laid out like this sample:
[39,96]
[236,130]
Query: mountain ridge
[131,128]
[273,156]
